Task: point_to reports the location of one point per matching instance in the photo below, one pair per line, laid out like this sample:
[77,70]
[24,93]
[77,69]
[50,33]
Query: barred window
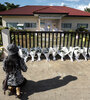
[82,25]
[42,23]
[30,25]
[66,25]
[11,24]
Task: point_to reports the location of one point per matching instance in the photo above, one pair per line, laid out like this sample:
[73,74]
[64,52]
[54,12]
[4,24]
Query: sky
[78,4]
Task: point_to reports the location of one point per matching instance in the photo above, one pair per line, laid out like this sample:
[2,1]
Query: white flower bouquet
[38,52]
[46,53]
[63,52]
[24,53]
[32,53]
[54,53]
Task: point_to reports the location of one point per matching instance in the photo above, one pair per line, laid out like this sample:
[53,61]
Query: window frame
[30,25]
[81,24]
[42,22]
[65,25]
[7,24]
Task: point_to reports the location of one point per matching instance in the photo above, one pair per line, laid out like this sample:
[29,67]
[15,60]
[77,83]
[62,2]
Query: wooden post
[59,25]
[39,24]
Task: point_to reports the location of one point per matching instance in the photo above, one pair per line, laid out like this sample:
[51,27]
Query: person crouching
[13,65]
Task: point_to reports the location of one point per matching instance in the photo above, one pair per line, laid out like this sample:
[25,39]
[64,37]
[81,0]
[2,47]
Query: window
[82,25]
[11,24]
[42,23]
[30,25]
[66,25]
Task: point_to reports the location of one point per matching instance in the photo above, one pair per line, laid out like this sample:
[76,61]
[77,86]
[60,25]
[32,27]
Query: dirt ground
[53,80]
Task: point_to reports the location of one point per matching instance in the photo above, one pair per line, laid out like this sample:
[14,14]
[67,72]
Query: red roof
[30,10]
[50,9]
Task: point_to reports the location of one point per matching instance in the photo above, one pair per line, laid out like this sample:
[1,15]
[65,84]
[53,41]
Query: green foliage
[10,5]
[71,30]
[87,9]
[12,29]
[81,29]
[2,7]
[7,6]
[1,29]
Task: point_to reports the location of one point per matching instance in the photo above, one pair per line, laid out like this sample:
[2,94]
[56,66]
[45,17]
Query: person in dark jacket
[13,65]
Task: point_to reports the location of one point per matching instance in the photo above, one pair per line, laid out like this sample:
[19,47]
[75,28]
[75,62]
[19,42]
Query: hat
[12,49]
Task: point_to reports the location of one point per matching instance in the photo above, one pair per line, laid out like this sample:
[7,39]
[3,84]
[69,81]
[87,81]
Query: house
[45,18]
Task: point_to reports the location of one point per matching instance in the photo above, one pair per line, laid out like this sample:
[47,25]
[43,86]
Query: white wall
[75,20]
[20,20]
[23,19]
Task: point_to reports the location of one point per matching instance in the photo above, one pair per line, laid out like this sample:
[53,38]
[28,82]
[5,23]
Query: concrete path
[54,80]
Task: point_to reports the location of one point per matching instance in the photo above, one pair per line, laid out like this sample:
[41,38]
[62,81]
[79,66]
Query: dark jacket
[15,76]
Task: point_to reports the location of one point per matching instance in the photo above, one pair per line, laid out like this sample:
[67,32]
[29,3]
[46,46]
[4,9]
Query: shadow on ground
[44,85]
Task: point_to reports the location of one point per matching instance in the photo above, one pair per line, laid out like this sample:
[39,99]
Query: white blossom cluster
[71,52]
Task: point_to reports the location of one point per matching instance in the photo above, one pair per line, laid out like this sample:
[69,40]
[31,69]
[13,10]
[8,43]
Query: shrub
[81,29]
[1,29]
[71,30]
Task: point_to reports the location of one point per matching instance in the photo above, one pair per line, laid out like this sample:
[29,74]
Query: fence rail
[43,39]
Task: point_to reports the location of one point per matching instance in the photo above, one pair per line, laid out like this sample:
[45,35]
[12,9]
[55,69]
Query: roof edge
[16,15]
[77,16]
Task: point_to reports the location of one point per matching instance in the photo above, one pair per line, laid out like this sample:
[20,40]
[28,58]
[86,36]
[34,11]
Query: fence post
[6,40]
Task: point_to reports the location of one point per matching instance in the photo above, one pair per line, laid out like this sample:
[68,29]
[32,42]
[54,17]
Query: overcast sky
[78,4]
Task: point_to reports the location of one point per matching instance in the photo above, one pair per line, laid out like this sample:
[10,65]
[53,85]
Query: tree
[10,5]
[2,7]
[7,6]
[87,9]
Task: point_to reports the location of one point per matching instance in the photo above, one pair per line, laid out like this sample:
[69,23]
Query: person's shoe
[18,91]
[11,91]
[10,88]
[18,96]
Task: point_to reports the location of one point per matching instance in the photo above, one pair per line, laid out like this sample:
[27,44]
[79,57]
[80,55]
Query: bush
[71,30]
[1,28]
[14,29]
[81,29]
